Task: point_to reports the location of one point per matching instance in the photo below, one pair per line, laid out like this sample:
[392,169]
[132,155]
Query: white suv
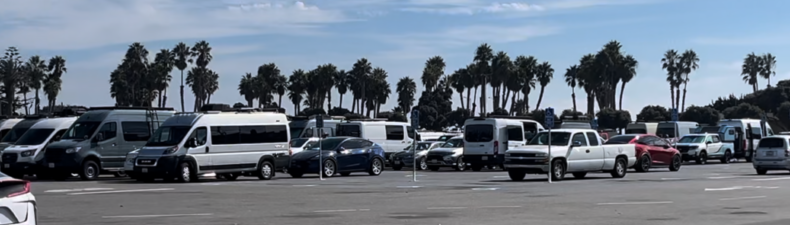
[772,154]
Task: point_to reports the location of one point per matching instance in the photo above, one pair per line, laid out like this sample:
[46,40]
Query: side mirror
[666,146]
[707,143]
[577,144]
[191,143]
[99,137]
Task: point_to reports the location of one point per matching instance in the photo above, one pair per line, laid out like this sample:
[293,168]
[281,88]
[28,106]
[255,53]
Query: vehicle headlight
[449,157]
[28,153]
[130,159]
[73,150]
[456,154]
[171,150]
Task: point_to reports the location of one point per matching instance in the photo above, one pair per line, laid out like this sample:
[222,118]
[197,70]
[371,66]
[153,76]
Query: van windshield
[296,132]
[14,135]
[81,130]
[557,138]
[34,137]
[168,136]
[454,143]
[665,132]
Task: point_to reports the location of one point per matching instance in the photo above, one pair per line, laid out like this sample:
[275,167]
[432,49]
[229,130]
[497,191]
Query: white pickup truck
[576,151]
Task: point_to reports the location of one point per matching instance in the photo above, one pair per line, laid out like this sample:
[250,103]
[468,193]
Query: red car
[650,150]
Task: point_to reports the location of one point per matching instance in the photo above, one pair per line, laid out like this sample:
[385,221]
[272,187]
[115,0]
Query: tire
[296,174]
[423,164]
[557,170]
[675,164]
[727,157]
[516,174]
[397,167]
[460,165]
[265,170]
[702,158]
[619,170]
[579,175]
[329,169]
[748,157]
[90,170]
[345,174]
[185,173]
[477,167]
[433,168]
[644,164]
[376,167]
[761,171]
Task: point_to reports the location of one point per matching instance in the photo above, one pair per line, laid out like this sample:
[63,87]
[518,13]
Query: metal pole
[551,162]
[414,158]
[320,155]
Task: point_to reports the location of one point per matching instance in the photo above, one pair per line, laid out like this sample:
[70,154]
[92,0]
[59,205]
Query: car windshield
[14,135]
[296,131]
[692,139]
[454,143]
[81,130]
[34,137]
[420,146]
[445,137]
[168,136]
[620,139]
[326,144]
[298,142]
[557,138]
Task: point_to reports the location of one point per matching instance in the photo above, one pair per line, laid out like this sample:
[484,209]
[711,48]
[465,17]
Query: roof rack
[368,120]
[130,108]
[509,117]
[327,117]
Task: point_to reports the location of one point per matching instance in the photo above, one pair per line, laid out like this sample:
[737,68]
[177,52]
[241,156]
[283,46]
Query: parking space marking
[673,178]
[447,207]
[729,177]
[634,203]
[304,185]
[738,188]
[341,210]
[77,190]
[121,191]
[770,179]
[417,175]
[485,189]
[409,186]
[500,206]
[742,198]
[155,216]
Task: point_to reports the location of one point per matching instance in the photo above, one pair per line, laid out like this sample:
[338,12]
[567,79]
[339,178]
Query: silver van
[99,141]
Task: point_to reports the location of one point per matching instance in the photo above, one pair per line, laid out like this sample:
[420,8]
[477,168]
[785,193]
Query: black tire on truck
[516,174]
[619,170]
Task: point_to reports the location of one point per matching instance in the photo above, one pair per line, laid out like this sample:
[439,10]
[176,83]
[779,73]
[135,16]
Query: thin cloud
[470,7]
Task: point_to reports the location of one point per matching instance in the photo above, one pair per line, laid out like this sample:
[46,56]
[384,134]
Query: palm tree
[36,70]
[53,83]
[266,79]
[483,56]
[670,64]
[457,83]
[628,67]
[247,89]
[570,79]
[525,67]
[280,85]
[586,79]
[296,89]
[544,75]
[434,67]
[341,83]
[689,62]
[751,69]
[182,54]
[11,69]
[471,81]
[201,52]
[406,89]
[359,74]
[769,67]
[164,62]
[378,91]
[501,67]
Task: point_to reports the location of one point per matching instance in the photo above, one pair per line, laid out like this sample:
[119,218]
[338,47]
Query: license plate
[51,165]
[769,153]
[485,158]
[6,165]
[434,161]
[145,170]
[397,162]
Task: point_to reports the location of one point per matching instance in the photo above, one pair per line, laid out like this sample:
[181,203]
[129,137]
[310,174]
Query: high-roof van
[99,141]
[673,130]
[392,136]
[487,139]
[328,130]
[641,128]
[19,129]
[6,125]
[745,130]
[19,158]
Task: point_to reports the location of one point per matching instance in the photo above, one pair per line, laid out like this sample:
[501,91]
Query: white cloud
[80,24]
[482,6]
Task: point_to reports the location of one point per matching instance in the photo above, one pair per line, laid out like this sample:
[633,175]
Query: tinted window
[410,132]
[530,129]
[515,134]
[579,137]
[692,139]
[352,144]
[14,135]
[34,137]
[228,135]
[298,142]
[109,130]
[557,138]
[479,133]
[4,132]
[620,139]
[665,132]
[660,142]
[58,136]
[454,143]
[201,135]
[349,130]
[635,131]
[168,136]
[225,135]
[136,131]
[327,144]
[772,143]
[395,132]
[716,139]
[648,140]
[296,131]
[326,132]
[81,130]
[593,138]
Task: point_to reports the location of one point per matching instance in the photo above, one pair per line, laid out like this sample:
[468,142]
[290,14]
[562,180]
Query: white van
[328,130]
[673,130]
[641,128]
[772,153]
[487,139]
[188,145]
[390,135]
[19,159]
[6,126]
[744,149]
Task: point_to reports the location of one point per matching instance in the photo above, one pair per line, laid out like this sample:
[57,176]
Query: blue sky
[399,35]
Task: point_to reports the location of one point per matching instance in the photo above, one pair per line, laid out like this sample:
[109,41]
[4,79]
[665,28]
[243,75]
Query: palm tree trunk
[474,103]
[513,102]
[505,98]
[164,99]
[540,97]
[503,95]
[495,96]
[677,97]
[755,87]
[27,109]
[591,103]
[182,91]
[483,99]
[683,105]
[672,92]
[461,97]
[622,90]
[159,99]
[354,104]
[526,102]
[38,102]
[280,102]
[340,105]
[573,97]
[468,95]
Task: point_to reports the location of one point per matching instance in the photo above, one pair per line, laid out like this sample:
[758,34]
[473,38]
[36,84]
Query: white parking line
[770,179]
[447,207]
[634,203]
[409,186]
[121,191]
[77,190]
[485,189]
[742,198]
[341,210]
[154,216]
[417,175]
[730,177]
[500,206]
[672,178]
[304,185]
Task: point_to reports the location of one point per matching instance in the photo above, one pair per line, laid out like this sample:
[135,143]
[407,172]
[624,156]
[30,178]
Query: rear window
[772,143]
[479,133]
[620,139]
[665,132]
[349,130]
[635,131]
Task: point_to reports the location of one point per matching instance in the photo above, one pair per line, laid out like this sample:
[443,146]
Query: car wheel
[676,163]
[460,165]
[619,170]
[90,170]
[727,157]
[644,164]
[185,173]
[557,170]
[579,175]
[376,166]
[516,174]
[329,169]
[702,158]
[423,164]
[265,170]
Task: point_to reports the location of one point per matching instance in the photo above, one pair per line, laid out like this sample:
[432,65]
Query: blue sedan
[342,155]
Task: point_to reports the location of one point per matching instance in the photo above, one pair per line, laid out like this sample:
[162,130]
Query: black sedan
[342,155]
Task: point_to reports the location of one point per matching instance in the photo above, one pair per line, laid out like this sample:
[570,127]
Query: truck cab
[576,151]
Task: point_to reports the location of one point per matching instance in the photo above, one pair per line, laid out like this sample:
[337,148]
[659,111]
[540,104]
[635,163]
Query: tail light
[496,147]
[14,188]
[290,151]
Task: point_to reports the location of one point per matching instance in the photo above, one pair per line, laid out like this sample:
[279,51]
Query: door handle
[113,144]
[588,150]
[206,149]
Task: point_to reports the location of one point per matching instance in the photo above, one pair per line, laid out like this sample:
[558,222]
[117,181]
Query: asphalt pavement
[698,194]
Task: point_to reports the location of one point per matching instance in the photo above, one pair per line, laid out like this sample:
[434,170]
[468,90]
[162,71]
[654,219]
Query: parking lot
[706,194]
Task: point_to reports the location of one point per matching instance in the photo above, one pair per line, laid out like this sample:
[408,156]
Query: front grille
[53,155]
[523,155]
[526,161]
[146,161]
[683,148]
[9,157]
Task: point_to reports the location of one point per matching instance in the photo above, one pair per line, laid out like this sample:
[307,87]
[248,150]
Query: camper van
[673,130]
[6,125]
[745,130]
[390,135]
[641,128]
[99,140]
[229,145]
[297,125]
[19,159]
[487,138]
